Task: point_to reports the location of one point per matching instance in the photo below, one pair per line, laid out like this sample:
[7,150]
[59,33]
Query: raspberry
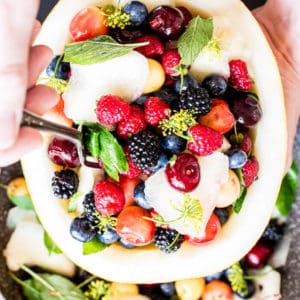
[205,140]
[155,47]
[167,240]
[133,124]
[109,197]
[169,60]
[65,183]
[196,100]
[156,110]
[133,170]
[145,149]
[250,171]
[246,143]
[112,109]
[239,77]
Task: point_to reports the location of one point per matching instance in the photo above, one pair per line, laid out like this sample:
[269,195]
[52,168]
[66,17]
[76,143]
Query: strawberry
[219,118]
[156,110]
[133,124]
[239,77]
[133,170]
[155,47]
[250,171]
[204,140]
[169,60]
[109,197]
[112,109]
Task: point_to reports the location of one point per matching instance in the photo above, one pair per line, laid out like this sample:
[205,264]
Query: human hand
[280,21]
[20,66]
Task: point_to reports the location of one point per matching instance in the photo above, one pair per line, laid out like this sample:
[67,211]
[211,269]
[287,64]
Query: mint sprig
[196,37]
[104,146]
[97,50]
[237,205]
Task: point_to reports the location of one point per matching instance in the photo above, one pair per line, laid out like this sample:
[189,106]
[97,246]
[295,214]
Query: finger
[35,31]
[40,99]
[16,23]
[28,140]
[39,58]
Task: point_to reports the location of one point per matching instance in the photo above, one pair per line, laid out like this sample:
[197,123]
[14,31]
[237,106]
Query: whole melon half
[240,233]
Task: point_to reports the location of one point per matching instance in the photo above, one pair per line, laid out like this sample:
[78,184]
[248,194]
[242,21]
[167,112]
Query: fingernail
[8,129]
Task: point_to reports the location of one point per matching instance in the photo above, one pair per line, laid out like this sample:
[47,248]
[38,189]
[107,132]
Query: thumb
[16,23]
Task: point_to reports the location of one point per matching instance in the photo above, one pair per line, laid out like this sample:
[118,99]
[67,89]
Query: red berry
[155,47]
[204,140]
[250,171]
[239,77]
[133,124]
[258,255]
[128,185]
[169,60]
[109,197]
[112,109]
[133,170]
[133,228]
[212,229]
[156,110]
[219,118]
[246,143]
[184,173]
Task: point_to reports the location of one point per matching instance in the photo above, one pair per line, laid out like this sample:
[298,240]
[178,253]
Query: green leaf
[102,144]
[93,246]
[73,202]
[29,291]
[50,245]
[96,50]
[288,191]
[237,205]
[23,202]
[197,35]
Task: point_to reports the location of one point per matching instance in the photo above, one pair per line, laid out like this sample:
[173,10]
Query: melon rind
[147,264]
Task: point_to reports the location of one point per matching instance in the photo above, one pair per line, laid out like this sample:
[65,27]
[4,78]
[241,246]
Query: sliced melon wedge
[147,264]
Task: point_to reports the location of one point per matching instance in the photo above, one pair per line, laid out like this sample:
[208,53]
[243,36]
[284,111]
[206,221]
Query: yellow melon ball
[190,289]
[156,77]
[120,288]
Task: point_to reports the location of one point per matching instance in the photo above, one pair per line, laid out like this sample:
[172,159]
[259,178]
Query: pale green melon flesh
[149,265]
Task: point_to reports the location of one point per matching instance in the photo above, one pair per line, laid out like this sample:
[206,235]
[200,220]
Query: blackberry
[64,183]
[196,100]
[274,232]
[145,149]
[167,240]
[89,207]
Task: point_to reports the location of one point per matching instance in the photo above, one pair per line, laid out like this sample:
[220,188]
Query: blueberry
[137,11]
[108,236]
[81,229]
[215,84]
[237,158]
[187,81]
[126,245]
[215,276]
[139,196]
[168,95]
[162,161]
[222,214]
[167,288]
[141,100]
[63,69]
[173,143]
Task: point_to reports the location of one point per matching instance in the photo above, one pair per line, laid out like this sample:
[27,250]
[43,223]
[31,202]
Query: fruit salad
[168,106]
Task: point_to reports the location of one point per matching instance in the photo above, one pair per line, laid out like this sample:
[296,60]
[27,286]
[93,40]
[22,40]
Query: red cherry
[211,231]
[128,185]
[258,255]
[133,228]
[184,174]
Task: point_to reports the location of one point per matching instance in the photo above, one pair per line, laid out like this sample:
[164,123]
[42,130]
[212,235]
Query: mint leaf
[23,202]
[237,205]
[288,191]
[93,246]
[50,245]
[196,36]
[96,50]
[102,144]
[73,202]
